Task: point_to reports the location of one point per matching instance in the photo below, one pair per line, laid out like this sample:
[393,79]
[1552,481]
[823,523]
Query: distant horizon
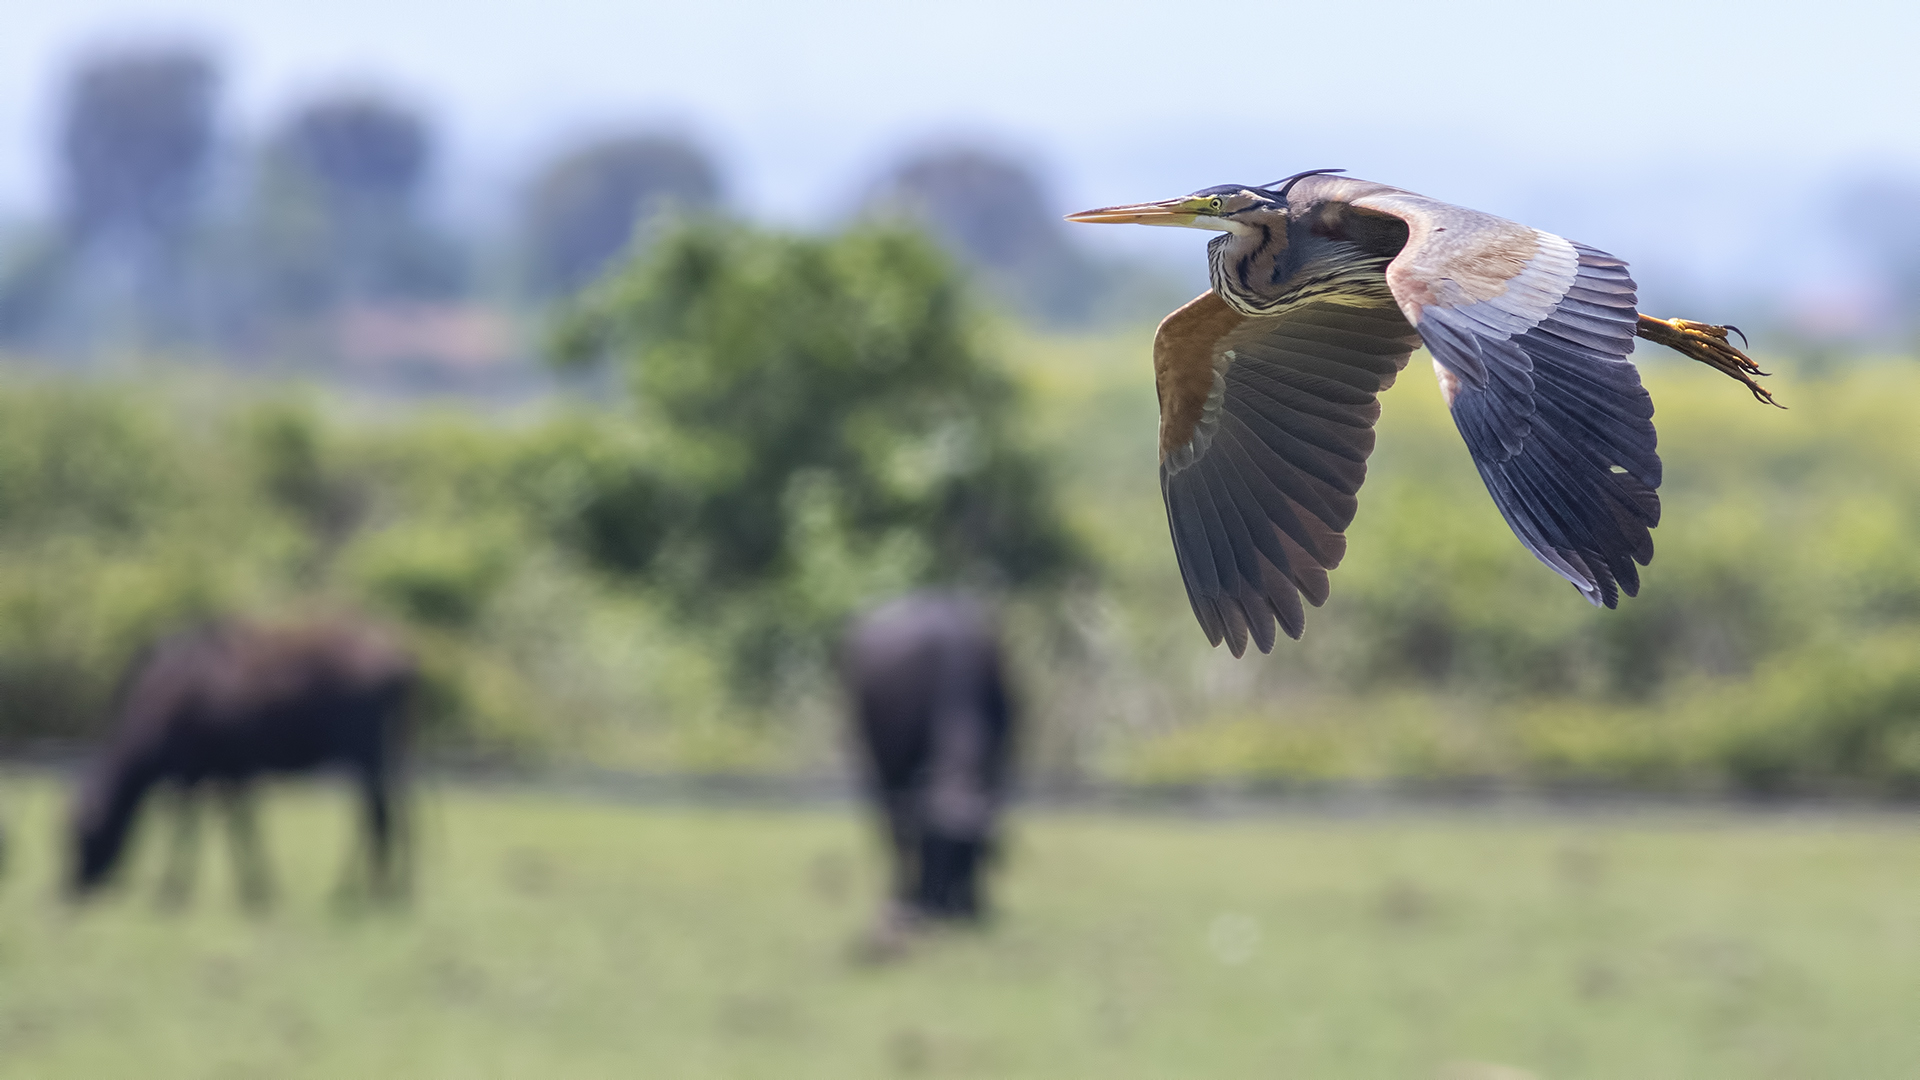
[1606,130]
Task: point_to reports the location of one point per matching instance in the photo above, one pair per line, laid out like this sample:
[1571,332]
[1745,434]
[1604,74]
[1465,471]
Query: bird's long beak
[1180,211]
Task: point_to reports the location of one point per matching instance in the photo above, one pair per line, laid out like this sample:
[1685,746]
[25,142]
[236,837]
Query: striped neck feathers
[1264,268]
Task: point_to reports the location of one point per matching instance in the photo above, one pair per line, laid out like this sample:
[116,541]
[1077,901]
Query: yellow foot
[1708,344]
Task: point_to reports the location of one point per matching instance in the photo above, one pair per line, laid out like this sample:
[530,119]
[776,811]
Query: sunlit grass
[558,937]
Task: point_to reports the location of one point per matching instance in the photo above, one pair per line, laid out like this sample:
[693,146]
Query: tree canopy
[581,211]
[336,213]
[136,140]
[818,426]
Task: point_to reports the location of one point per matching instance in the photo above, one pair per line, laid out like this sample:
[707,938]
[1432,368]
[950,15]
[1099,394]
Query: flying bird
[1322,286]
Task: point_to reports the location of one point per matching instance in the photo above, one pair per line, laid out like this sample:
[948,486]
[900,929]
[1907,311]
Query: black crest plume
[1282,186]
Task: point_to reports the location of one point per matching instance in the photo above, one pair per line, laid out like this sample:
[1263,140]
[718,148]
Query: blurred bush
[100,497]
[128,512]
[813,423]
[818,428]
[1775,645]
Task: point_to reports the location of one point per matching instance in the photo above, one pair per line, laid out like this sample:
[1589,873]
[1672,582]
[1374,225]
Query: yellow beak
[1179,211]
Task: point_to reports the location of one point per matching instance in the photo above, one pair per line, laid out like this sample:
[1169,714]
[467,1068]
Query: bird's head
[1222,209]
[1228,208]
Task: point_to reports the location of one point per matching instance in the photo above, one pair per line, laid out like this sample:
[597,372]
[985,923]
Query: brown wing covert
[1260,472]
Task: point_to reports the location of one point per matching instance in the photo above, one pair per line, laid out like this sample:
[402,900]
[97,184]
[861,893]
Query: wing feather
[1260,488]
[1533,353]
[1267,421]
[1323,487]
[1296,558]
[1303,425]
[1194,552]
[1316,544]
[1251,604]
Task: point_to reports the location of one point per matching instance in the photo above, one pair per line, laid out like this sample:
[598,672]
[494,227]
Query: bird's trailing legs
[1708,344]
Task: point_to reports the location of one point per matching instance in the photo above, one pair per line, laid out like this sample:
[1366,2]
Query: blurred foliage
[585,207]
[1772,648]
[33,269]
[125,261]
[818,428]
[136,141]
[336,216]
[328,211]
[993,213]
[319,241]
[816,423]
[126,513]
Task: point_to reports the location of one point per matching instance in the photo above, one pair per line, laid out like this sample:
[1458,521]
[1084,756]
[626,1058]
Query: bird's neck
[1244,266]
[1264,268]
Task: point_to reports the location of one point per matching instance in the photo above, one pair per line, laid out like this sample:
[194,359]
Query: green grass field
[558,937]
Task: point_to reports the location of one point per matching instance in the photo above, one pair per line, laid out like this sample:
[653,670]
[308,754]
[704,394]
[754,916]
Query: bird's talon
[1707,343]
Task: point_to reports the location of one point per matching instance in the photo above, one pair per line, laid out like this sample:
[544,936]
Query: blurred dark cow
[932,712]
[229,701]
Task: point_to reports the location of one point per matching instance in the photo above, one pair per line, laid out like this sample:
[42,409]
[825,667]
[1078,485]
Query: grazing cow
[932,713]
[227,702]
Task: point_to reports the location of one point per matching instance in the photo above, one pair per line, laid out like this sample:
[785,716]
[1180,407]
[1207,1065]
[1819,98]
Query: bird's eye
[1214,204]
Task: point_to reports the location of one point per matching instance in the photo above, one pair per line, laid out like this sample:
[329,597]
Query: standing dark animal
[228,702]
[932,712]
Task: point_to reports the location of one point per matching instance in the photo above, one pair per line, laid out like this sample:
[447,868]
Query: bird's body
[1322,287]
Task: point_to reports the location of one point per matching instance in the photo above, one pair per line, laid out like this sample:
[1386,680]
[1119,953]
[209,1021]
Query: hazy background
[1758,159]
[315,266]
[614,353]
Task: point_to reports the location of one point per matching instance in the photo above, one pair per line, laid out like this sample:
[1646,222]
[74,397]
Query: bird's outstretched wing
[1530,334]
[1265,427]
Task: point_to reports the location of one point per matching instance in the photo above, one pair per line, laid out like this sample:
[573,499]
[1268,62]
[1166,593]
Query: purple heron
[1322,286]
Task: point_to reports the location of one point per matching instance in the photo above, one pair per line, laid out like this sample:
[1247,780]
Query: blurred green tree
[819,427]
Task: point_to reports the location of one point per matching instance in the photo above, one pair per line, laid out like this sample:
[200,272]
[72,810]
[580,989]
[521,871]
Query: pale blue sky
[1575,117]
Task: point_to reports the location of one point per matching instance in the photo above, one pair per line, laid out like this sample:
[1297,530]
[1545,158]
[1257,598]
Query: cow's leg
[176,881]
[250,872]
[935,872]
[386,876]
[903,847]
[959,811]
[949,885]
[379,868]
[892,931]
